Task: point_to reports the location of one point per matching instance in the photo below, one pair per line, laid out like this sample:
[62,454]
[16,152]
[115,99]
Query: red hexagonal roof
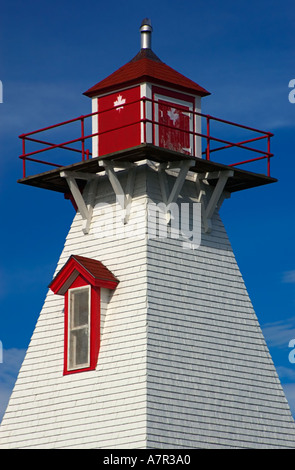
[146,66]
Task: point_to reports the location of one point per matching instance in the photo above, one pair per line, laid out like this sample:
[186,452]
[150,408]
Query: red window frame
[94,327]
[185,103]
[76,273]
[177,139]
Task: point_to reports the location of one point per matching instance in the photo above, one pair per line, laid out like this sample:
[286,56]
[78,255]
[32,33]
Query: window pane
[79,307]
[79,345]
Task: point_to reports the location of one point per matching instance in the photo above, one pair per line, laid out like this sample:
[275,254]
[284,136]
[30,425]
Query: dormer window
[82,281]
[78,328]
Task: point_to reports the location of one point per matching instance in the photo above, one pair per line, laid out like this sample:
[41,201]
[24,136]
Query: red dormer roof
[96,273]
[146,66]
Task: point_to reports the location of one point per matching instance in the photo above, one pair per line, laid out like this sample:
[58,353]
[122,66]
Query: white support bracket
[124,198]
[85,210]
[209,204]
[184,167]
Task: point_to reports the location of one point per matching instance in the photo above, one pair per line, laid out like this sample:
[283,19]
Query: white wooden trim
[124,198]
[168,199]
[198,127]
[80,366]
[146,91]
[76,193]
[210,204]
[86,212]
[94,128]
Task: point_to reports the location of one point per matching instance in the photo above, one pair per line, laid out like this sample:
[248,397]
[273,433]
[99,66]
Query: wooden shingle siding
[182,362]
[101,408]
[211,380]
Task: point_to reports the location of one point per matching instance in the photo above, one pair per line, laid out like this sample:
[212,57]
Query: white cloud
[289,390]
[279,333]
[35,105]
[9,368]
[250,99]
[28,278]
[287,373]
[289,277]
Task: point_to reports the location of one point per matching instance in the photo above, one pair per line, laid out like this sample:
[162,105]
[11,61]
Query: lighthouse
[147,338]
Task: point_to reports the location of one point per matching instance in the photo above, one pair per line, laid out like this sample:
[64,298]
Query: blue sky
[242,52]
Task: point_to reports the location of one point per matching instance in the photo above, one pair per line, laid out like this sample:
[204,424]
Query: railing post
[87,154]
[193,114]
[82,139]
[24,168]
[208,138]
[153,122]
[24,158]
[268,165]
[268,152]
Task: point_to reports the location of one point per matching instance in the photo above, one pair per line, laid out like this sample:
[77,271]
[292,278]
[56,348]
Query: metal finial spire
[146,33]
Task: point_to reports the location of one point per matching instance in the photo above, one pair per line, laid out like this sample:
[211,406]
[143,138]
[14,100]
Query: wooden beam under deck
[240,180]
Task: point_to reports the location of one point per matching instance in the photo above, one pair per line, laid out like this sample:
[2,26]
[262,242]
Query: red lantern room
[146,110]
[146,91]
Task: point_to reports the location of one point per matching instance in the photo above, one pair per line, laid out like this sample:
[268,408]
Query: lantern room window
[174,113]
[82,281]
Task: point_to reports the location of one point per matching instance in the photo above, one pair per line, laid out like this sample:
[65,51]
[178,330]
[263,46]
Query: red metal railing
[146,120]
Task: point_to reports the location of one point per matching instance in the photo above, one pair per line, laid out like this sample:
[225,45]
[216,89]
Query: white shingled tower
[147,337]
